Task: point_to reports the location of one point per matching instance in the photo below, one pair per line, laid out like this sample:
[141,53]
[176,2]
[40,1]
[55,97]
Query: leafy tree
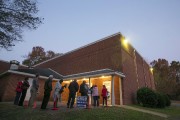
[15,15]
[38,55]
[175,76]
[166,77]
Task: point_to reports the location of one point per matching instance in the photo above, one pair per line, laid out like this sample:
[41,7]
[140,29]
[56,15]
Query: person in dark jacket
[84,91]
[47,92]
[73,88]
[18,93]
[25,86]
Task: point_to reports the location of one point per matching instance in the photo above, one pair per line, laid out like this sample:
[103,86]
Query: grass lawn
[8,111]
[172,111]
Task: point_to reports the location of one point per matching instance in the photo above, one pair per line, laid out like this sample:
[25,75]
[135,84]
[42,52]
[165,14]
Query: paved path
[145,111]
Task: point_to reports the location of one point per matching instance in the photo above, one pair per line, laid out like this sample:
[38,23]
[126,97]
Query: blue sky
[152,27]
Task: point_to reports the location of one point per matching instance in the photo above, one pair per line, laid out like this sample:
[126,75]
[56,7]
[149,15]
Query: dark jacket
[83,89]
[73,87]
[48,85]
[25,85]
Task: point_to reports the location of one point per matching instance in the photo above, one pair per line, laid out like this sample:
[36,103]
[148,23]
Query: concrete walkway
[143,110]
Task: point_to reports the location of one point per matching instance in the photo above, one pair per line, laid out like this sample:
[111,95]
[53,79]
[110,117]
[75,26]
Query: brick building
[109,61]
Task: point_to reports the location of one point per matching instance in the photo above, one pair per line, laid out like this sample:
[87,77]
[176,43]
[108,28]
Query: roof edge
[108,73]
[32,75]
[118,33]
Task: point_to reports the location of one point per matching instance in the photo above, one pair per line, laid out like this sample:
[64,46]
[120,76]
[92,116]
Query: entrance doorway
[108,86]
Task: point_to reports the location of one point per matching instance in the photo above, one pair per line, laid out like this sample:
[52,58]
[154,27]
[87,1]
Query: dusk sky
[151,26]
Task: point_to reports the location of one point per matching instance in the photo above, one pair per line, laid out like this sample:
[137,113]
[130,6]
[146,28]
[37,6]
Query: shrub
[161,100]
[147,97]
[167,99]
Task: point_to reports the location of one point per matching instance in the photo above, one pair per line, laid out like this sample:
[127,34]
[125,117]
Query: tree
[38,55]
[161,73]
[165,77]
[15,15]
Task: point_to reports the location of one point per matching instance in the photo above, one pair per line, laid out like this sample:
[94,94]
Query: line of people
[84,89]
[73,87]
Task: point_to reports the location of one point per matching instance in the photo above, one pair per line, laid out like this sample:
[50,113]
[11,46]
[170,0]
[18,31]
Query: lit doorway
[108,86]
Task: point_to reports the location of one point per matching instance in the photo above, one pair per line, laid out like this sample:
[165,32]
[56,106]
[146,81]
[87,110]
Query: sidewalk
[143,110]
[175,103]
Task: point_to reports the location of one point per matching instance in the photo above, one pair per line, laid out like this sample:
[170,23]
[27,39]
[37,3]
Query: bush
[147,97]
[161,100]
[167,99]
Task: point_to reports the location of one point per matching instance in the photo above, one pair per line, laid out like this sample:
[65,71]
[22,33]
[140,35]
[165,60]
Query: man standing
[34,91]
[47,92]
[84,91]
[73,88]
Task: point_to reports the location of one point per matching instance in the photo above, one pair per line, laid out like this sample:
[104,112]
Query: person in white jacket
[57,94]
[95,95]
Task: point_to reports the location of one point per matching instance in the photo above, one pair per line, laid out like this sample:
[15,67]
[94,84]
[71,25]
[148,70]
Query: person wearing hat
[57,94]
[47,92]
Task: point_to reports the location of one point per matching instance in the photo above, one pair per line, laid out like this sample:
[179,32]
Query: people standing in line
[84,90]
[18,93]
[57,94]
[95,95]
[91,90]
[73,88]
[47,92]
[104,95]
[25,86]
[34,91]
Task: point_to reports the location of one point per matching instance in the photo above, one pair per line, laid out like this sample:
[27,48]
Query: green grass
[9,111]
[172,111]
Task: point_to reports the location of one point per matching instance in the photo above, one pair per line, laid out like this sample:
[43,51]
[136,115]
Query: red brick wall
[11,81]
[94,57]
[4,66]
[140,70]
[129,83]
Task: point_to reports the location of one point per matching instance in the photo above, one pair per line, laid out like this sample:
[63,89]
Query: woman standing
[34,91]
[95,95]
[104,95]
[18,92]
[57,94]
[25,86]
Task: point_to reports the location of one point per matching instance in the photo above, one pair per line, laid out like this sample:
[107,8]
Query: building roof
[94,74]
